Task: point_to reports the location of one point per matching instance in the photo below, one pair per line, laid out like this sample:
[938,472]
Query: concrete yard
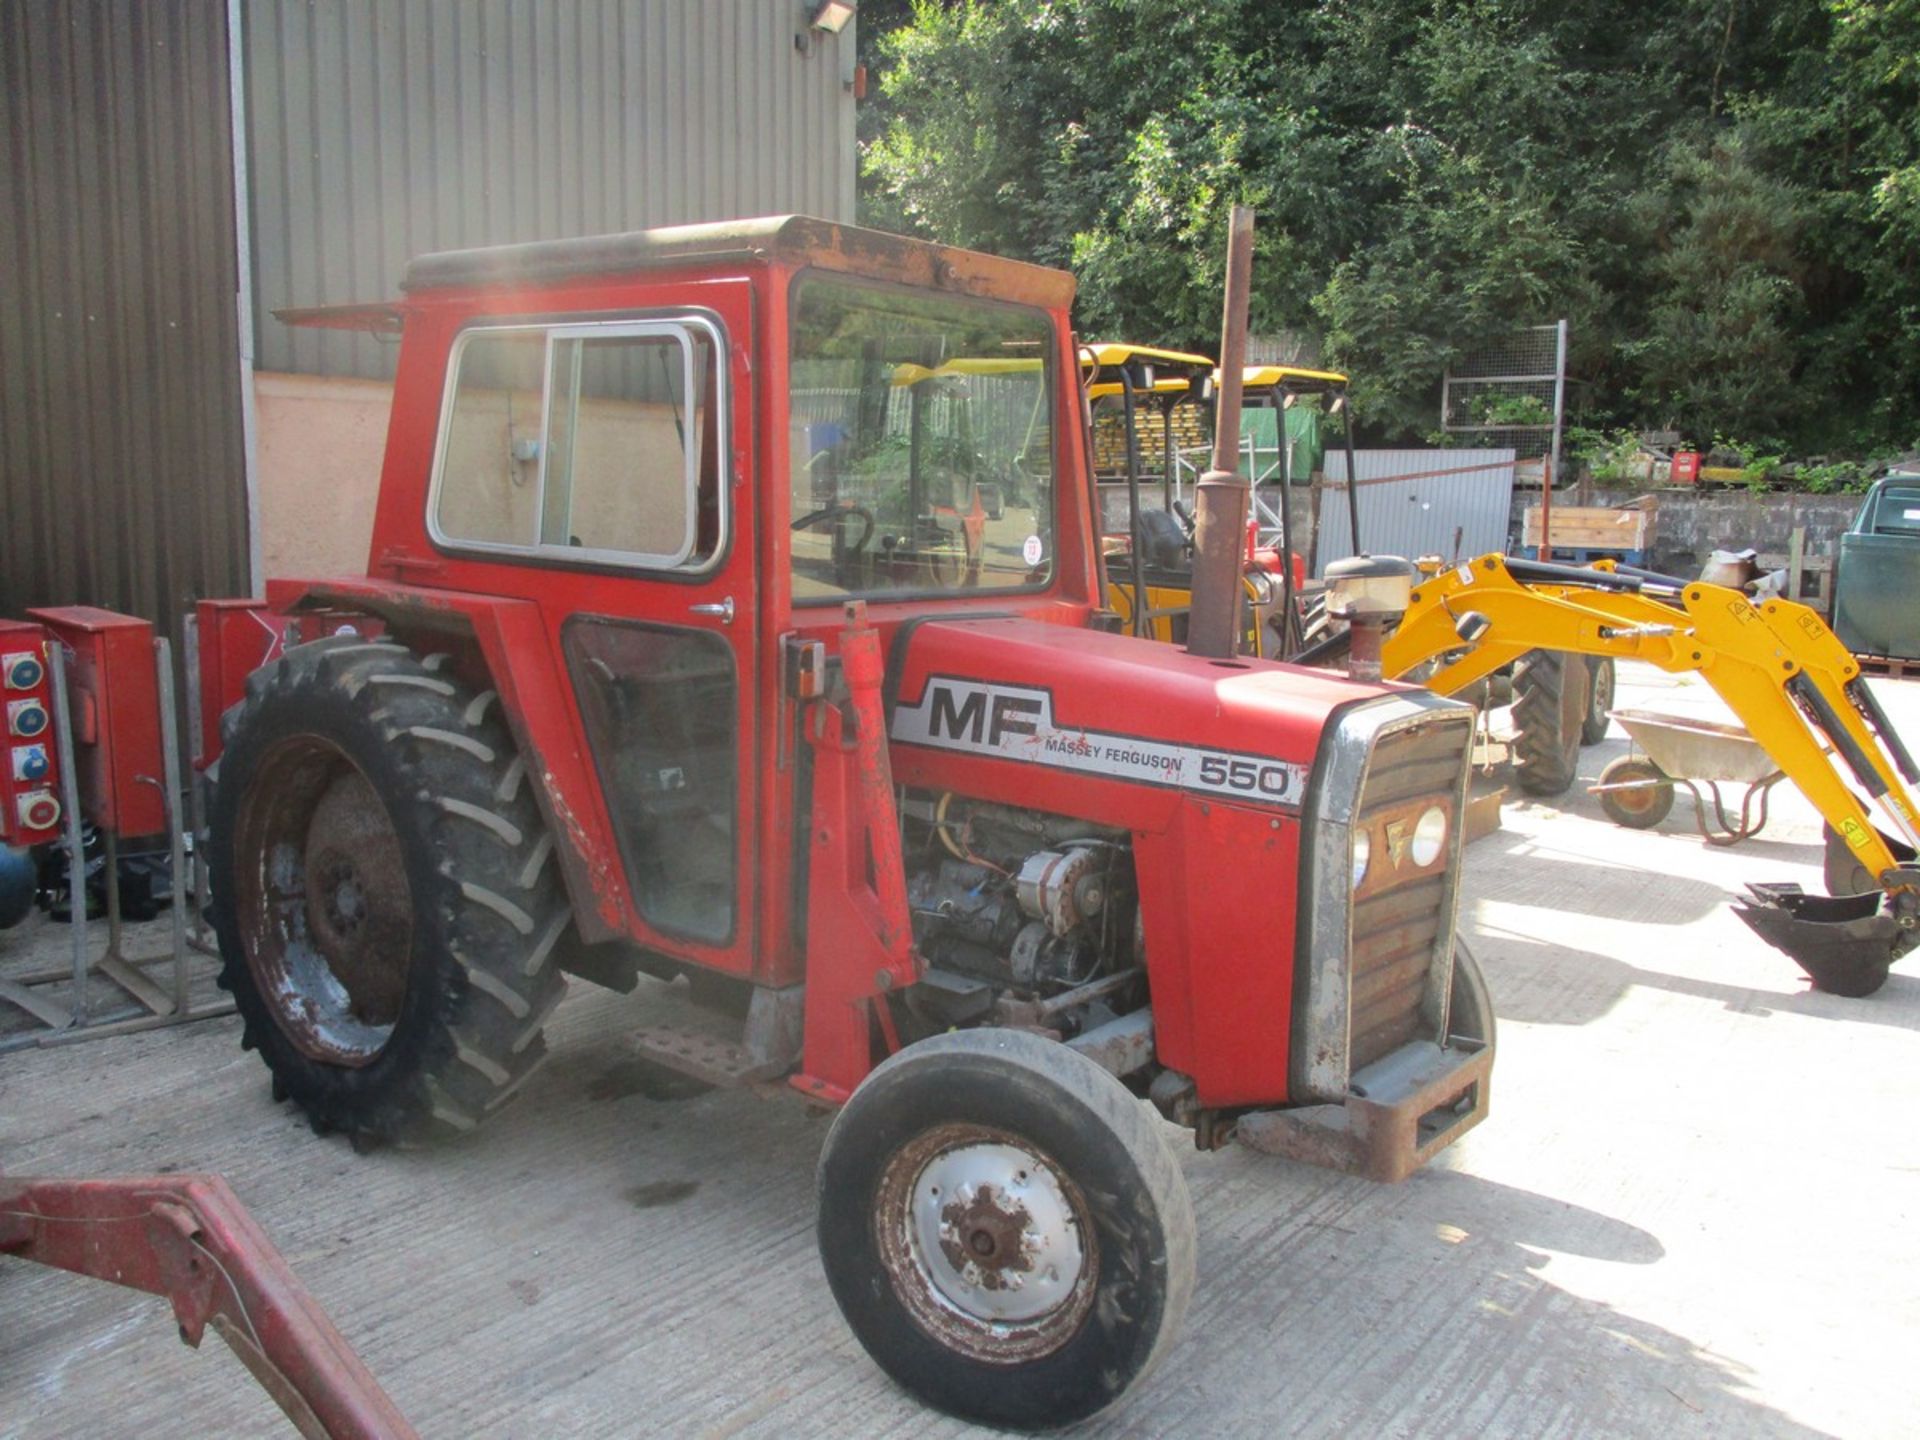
[1694,1210]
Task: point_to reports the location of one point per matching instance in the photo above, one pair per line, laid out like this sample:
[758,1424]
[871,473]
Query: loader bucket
[1844,943]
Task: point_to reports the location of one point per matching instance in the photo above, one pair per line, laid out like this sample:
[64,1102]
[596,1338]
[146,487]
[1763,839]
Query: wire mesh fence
[1510,393]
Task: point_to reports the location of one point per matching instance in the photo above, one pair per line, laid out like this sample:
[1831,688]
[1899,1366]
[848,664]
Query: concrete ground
[1692,1211]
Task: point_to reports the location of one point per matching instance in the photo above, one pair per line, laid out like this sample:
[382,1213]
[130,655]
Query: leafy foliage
[1723,198]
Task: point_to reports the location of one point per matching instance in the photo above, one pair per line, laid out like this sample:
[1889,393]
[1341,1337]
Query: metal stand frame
[157,1005]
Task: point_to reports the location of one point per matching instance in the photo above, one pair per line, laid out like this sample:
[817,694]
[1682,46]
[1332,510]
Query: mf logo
[973,716]
[1399,836]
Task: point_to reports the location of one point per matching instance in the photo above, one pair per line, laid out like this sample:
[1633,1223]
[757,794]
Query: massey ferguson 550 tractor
[733,620]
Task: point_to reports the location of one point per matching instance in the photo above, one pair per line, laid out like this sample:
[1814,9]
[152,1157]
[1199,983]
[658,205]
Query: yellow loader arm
[1777,666]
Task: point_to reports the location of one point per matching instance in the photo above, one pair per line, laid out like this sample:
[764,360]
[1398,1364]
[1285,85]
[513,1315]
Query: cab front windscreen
[921,444]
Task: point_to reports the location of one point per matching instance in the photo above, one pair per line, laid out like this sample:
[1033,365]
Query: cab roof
[1269,377]
[794,239]
[1174,370]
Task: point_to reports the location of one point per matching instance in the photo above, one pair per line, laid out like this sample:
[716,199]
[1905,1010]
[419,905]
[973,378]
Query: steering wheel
[837,513]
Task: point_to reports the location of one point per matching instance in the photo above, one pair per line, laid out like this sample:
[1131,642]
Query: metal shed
[145,236]
[1418,502]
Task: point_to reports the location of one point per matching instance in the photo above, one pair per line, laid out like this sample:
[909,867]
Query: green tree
[1724,199]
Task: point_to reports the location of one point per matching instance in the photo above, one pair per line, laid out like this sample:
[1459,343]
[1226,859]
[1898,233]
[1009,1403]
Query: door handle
[723,608]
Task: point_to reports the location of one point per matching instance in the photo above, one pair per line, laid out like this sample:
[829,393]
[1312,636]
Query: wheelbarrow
[1636,790]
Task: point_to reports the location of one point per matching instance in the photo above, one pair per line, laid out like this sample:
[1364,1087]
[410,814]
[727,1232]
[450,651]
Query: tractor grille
[1402,912]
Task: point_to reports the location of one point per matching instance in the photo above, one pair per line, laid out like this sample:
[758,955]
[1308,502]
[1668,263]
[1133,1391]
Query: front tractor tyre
[1005,1229]
[385,901]
[1470,1015]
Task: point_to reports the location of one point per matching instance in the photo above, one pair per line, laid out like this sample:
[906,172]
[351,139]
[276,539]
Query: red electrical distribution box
[113,694]
[29,781]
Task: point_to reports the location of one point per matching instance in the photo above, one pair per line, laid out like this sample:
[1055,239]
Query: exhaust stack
[1220,499]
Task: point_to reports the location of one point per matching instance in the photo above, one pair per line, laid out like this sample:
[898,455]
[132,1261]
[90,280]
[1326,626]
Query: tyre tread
[499,908]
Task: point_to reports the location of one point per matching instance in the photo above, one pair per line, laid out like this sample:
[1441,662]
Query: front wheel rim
[987,1242]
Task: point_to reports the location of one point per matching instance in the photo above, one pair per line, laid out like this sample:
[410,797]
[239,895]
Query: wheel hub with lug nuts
[993,1232]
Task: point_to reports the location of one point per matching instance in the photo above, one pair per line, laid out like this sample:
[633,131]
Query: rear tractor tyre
[384,899]
[1641,808]
[1549,708]
[1593,729]
[1005,1229]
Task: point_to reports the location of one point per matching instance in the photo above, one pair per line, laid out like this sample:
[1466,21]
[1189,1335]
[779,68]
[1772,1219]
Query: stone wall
[1691,523]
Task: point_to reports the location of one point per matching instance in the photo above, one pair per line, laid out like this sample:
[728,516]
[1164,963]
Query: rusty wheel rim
[1645,795]
[987,1243]
[322,901]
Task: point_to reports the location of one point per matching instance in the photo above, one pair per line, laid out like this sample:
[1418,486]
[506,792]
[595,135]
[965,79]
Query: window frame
[682,325]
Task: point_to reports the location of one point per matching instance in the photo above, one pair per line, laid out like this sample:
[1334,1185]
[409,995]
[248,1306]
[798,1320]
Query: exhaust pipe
[1221,497]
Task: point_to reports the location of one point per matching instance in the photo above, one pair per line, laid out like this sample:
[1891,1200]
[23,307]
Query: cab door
[621,513]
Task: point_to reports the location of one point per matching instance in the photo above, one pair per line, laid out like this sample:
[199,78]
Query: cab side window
[593,443]
[490,442]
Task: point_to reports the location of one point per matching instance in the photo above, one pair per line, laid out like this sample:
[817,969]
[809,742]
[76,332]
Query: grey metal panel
[1456,503]
[121,468]
[386,129]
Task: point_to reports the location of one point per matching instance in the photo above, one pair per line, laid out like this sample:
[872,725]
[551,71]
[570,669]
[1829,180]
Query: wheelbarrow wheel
[1645,806]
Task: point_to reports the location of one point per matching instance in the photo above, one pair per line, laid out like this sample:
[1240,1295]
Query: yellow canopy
[1095,358]
[907,373]
[1121,354]
[1270,377]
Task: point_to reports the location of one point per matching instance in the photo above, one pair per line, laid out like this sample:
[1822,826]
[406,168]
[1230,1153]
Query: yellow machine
[1144,519]
[1775,664]
[1559,629]
[1559,703]
[1143,516]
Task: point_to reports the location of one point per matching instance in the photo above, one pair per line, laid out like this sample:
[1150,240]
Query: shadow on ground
[1550,984]
[1423,1309]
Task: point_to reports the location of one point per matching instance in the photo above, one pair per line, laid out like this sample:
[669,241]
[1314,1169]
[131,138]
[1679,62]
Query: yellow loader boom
[1778,668]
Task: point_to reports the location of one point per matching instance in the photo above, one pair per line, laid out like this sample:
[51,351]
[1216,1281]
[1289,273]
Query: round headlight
[1362,848]
[1429,834]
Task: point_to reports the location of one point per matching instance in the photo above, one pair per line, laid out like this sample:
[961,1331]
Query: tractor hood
[1022,710]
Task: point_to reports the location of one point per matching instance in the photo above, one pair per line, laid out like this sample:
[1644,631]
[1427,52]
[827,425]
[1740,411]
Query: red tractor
[688,650]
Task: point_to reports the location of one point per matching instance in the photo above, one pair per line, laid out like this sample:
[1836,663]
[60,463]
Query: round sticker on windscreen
[1033,551]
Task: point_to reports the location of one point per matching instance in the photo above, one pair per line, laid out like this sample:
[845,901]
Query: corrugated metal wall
[1454,503]
[386,128]
[121,477]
